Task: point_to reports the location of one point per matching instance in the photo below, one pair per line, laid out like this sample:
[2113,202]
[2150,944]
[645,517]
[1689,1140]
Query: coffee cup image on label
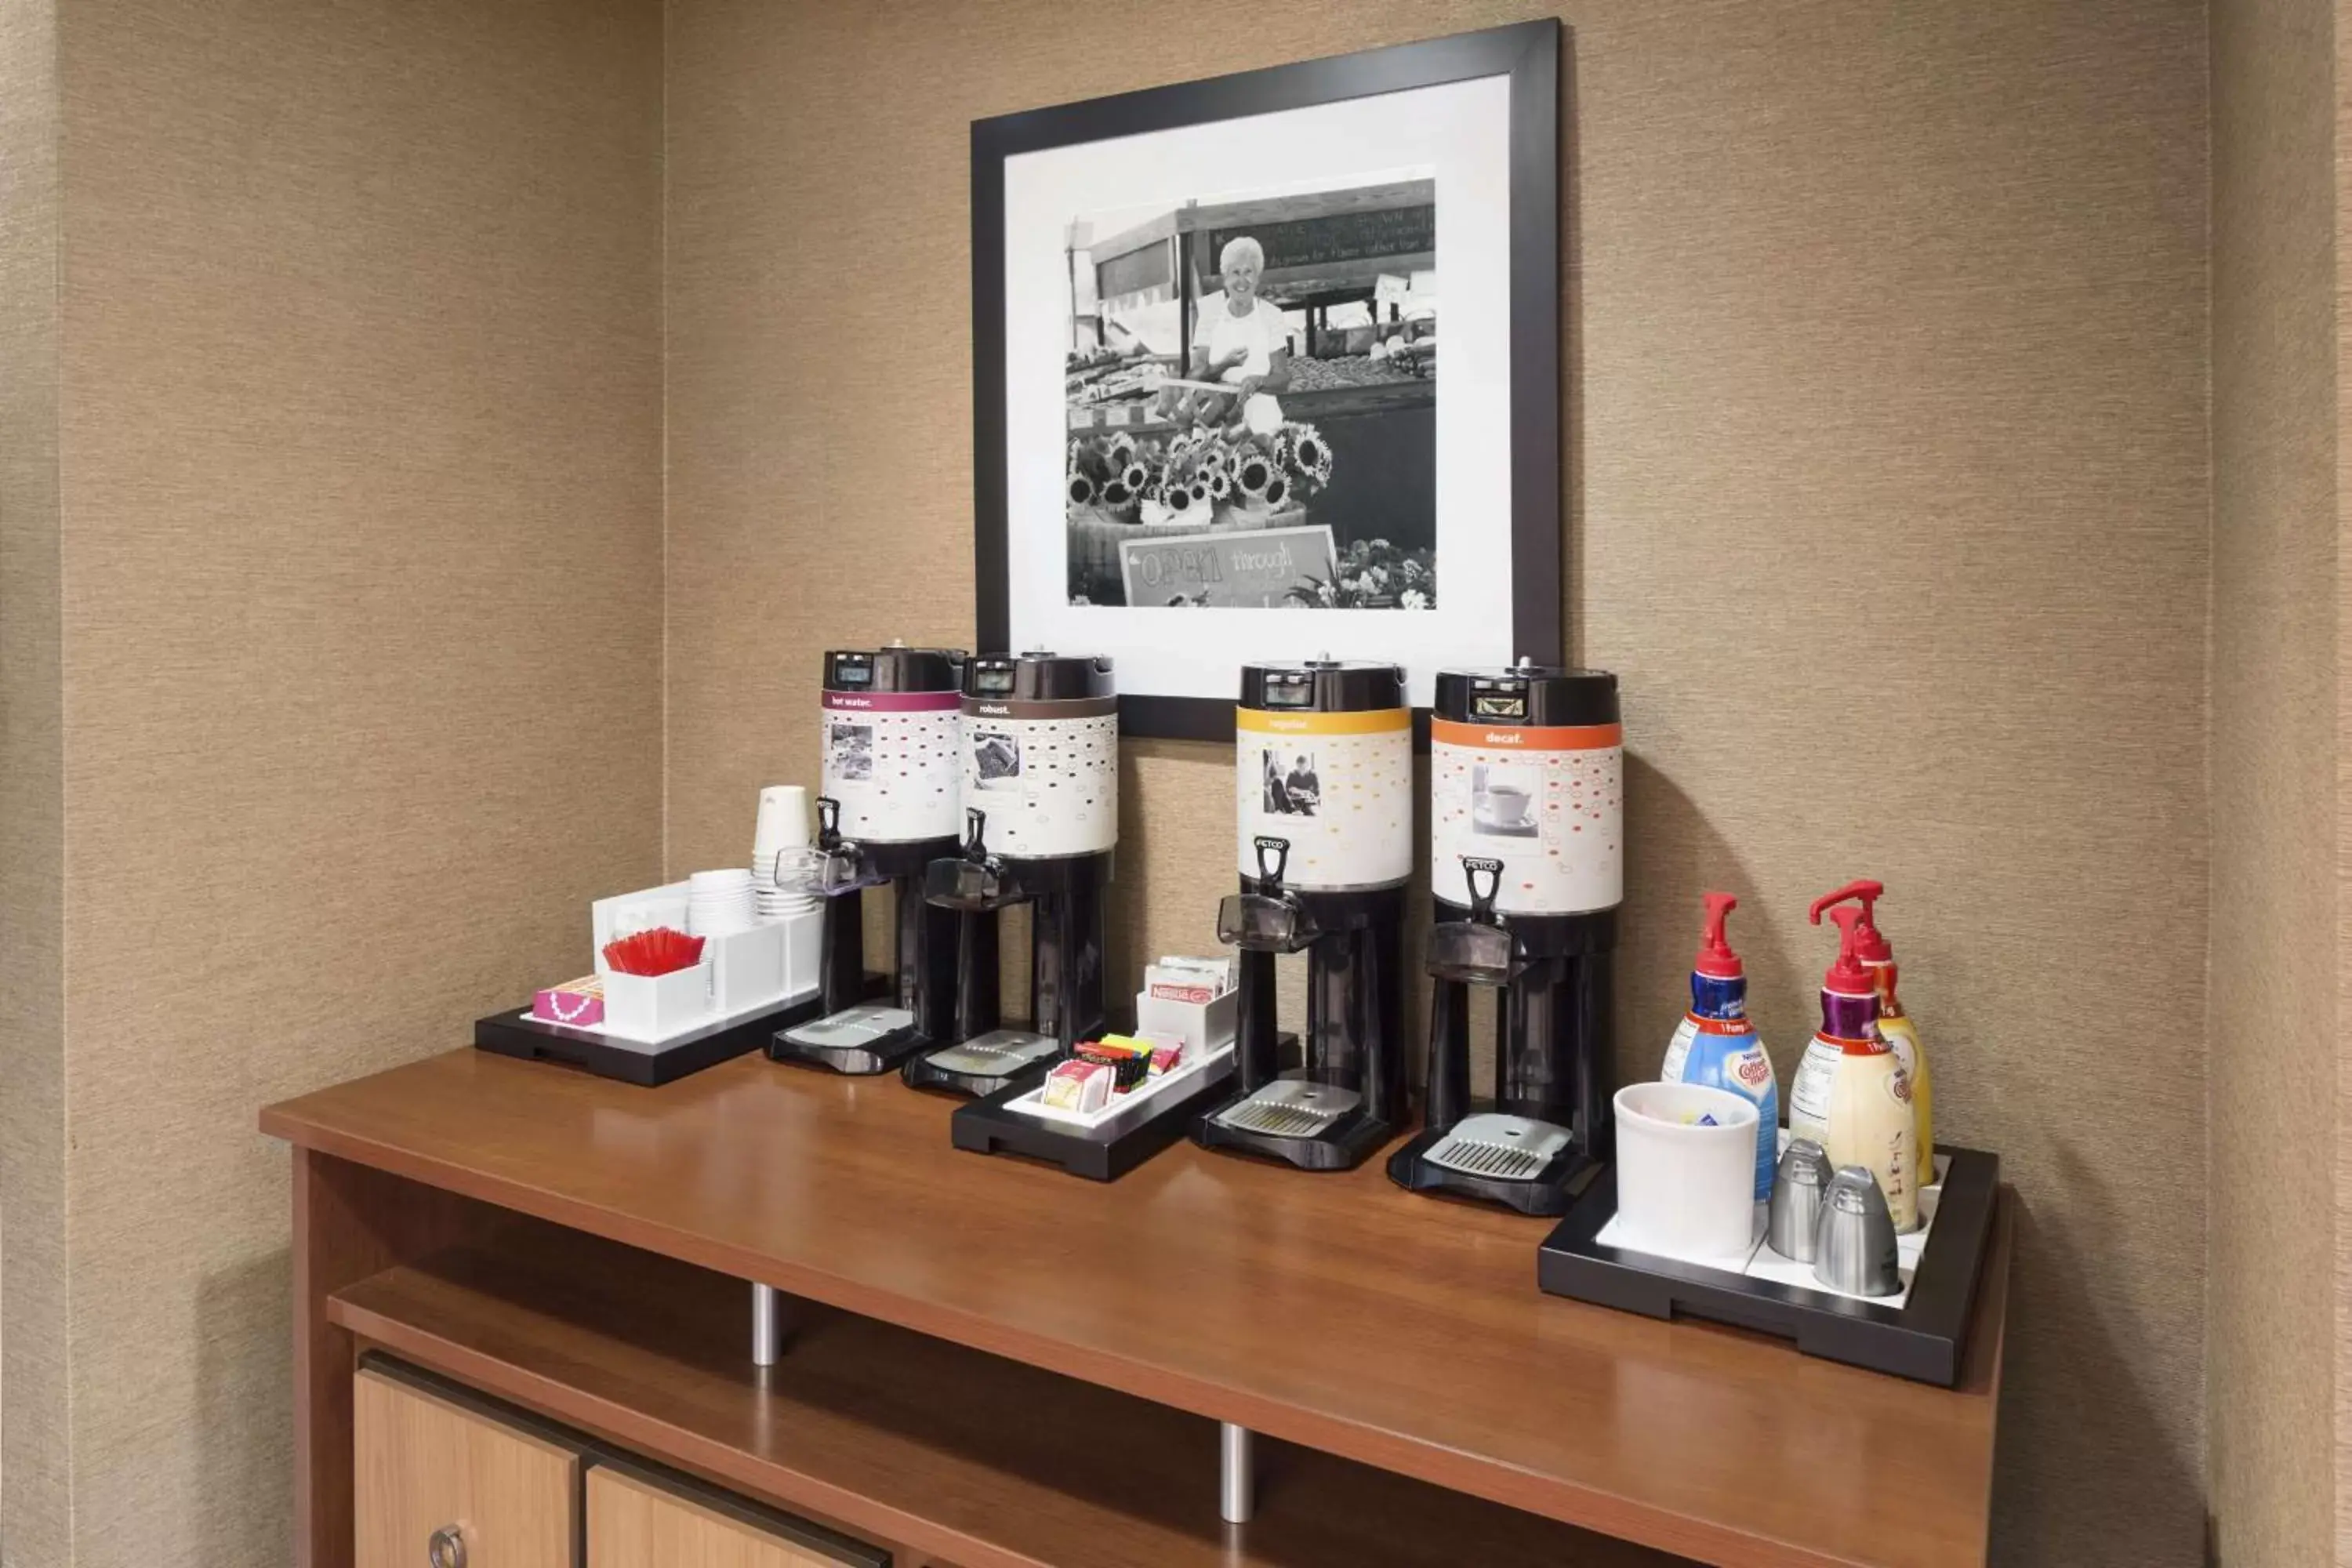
[1336,787]
[1546,801]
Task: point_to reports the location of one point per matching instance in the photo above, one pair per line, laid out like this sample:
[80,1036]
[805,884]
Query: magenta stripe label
[893,701]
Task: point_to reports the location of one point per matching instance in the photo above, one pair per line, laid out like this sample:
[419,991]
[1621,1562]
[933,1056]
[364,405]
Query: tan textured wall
[2270,1303]
[362,620]
[34,1454]
[2342,1444]
[1889,504]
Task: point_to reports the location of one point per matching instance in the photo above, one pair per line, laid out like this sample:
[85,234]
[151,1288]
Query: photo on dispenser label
[851,747]
[1293,788]
[995,758]
[1503,803]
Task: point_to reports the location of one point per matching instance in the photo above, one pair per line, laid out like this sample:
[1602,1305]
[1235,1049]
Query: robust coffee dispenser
[1041,821]
[1527,866]
[1323,767]
[890,732]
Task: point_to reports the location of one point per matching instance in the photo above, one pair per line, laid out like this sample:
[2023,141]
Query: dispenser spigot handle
[975,829]
[1270,873]
[828,822]
[1482,903]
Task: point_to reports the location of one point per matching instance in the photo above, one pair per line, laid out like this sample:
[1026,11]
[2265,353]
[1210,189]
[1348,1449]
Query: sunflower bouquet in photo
[1187,477]
[1110,473]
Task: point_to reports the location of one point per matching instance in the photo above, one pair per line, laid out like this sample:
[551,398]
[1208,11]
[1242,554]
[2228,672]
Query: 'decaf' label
[1545,800]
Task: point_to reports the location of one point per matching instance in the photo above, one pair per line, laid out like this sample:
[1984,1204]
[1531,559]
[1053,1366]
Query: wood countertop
[1333,1311]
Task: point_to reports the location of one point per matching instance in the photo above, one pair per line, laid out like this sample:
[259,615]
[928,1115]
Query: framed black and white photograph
[1213,420]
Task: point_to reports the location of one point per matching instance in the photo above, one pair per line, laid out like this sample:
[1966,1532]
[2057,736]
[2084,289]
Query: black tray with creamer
[1920,1334]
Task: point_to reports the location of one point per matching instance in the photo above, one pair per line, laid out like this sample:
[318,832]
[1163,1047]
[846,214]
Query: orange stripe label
[1528,737]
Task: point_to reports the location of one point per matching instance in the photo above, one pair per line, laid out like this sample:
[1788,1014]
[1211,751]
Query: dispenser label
[1545,800]
[892,760]
[1048,787]
[1338,788]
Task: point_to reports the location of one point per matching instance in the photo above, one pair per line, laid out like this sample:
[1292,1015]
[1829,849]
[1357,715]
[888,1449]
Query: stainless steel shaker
[1799,1195]
[1854,1250]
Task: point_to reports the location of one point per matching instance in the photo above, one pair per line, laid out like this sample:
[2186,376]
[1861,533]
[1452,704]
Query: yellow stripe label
[1370,722]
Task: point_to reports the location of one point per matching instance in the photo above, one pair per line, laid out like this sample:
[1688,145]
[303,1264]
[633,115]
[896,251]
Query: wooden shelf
[895,1436]
[1330,1311]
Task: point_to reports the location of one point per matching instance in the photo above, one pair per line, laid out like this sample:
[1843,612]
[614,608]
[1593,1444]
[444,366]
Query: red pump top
[1715,959]
[1870,946]
[1848,976]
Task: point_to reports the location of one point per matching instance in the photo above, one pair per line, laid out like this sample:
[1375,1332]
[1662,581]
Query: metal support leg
[767,1325]
[1236,1488]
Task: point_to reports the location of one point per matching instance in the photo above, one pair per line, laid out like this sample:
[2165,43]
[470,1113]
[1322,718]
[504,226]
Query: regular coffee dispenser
[1323,799]
[1527,868]
[890,735]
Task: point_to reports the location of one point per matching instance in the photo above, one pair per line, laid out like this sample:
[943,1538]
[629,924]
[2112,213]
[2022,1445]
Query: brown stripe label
[1006,707]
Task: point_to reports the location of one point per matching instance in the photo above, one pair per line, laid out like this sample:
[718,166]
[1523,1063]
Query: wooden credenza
[989,1365]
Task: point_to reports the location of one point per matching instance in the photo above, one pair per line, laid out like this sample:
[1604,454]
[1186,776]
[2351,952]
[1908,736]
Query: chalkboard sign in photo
[1208,424]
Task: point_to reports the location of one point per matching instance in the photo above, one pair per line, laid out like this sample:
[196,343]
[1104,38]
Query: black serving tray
[1551,1193]
[518,1034]
[1926,1338]
[1348,1143]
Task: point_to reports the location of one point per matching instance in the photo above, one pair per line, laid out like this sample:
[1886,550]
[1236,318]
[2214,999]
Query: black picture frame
[1529,53]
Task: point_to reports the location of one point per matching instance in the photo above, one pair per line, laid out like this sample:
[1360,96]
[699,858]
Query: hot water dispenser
[890,733]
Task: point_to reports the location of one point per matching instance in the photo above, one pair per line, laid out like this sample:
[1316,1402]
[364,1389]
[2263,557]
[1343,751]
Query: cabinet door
[442,1487]
[634,1525]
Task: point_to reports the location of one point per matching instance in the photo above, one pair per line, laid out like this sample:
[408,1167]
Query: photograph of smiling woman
[1256,362]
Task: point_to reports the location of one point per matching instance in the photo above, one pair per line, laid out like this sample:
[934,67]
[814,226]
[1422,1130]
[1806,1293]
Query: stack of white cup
[719,903]
[782,842]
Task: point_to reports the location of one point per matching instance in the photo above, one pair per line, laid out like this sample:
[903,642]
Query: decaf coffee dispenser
[1323,764]
[1041,821]
[1527,866]
[890,733]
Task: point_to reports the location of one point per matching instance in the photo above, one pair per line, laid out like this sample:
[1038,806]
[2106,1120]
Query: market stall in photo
[1259,365]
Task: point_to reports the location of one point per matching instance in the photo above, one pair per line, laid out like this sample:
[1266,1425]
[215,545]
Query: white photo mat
[1459,130]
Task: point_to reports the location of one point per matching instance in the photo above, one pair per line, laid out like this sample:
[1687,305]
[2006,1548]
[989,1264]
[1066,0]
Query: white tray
[1125,1110]
[1760,1262]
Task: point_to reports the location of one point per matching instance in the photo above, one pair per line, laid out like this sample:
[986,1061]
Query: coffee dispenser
[1323,799]
[890,732]
[1527,866]
[1040,795]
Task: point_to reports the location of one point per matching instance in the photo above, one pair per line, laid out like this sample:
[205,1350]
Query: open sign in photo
[1261,569]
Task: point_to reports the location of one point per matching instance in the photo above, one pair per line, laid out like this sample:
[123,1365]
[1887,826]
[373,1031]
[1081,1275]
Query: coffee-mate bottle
[1895,1025]
[1716,1045]
[1851,1094]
